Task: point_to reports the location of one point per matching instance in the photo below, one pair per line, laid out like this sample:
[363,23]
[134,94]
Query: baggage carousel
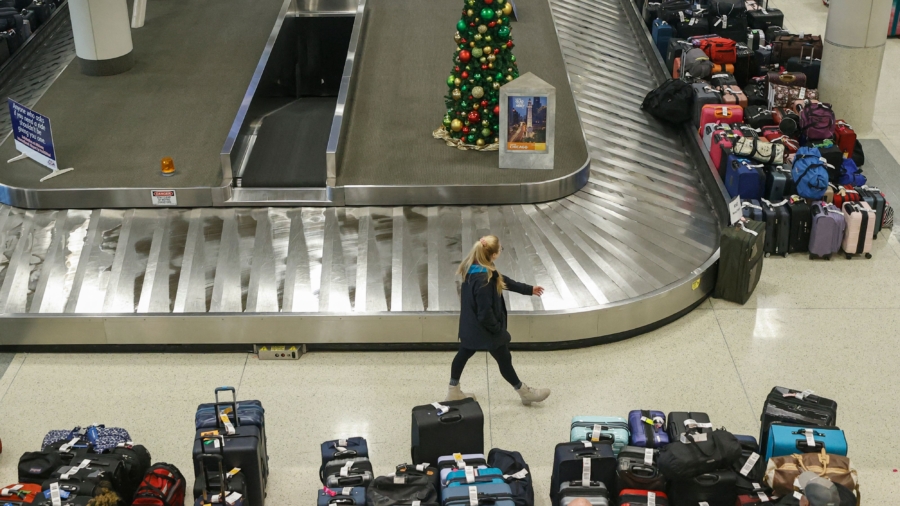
[623,242]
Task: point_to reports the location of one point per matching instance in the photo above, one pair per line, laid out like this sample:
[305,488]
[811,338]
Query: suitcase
[757,116]
[676,69]
[721,149]
[20,493]
[736,29]
[712,128]
[671,11]
[875,199]
[457,461]
[786,46]
[676,48]
[649,11]
[762,59]
[743,178]
[402,490]
[718,488]
[243,449]
[349,496]
[729,114]
[638,469]
[696,24]
[733,95]
[827,232]
[801,225]
[792,79]
[662,33]
[756,39]
[796,407]
[248,412]
[232,485]
[790,439]
[42,12]
[829,193]
[781,226]
[581,461]
[595,492]
[757,95]
[722,79]
[748,466]
[473,476]
[808,66]
[844,194]
[845,138]
[754,210]
[495,494]
[764,18]
[514,466]
[349,448]
[777,178]
[704,94]
[648,428]
[860,229]
[631,497]
[456,427]
[743,67]
[740,261]
[352,472]
[682,422]
[612,429]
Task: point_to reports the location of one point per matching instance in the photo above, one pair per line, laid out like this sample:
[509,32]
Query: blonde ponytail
[481,254]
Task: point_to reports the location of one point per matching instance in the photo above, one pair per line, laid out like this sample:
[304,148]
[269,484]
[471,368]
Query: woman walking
[482,318]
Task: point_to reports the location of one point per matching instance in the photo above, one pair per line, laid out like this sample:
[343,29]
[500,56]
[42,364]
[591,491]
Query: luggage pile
[19,19]
[682,460]
[96,464]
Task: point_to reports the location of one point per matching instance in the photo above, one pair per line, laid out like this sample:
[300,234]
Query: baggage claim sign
[31,132]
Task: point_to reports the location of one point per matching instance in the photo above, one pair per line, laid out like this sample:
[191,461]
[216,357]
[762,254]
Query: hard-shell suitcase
[743,178]
[662,33]
[791,439]
[732,94]
[449,463]
[649,11]
[845,138]
[776,182]
[718,488]
[472,476]
[808,66]
[801,226]
[721,149]
[648,428]
[711,128]
[730,114]
[676,48]
[631,497]
[446,428]
[704,94]
[696,24]
[743,67]
[595,492]
[721,79]
[671,11]
[683,422]
[781,226]
[860,220]
[740,261]
[232,485]
[638,469]
[496,494]
[580,461]
[752,210]
[352,472]
[601,428]
[244,450]
[795,407]
[345,496]
[762,19]
[875,199]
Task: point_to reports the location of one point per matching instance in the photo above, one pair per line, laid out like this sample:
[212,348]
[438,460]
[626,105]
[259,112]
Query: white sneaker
[530,395]
[455,393]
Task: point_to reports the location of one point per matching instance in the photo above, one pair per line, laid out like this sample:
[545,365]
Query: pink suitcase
[860,228]
[721,143]
[730,114]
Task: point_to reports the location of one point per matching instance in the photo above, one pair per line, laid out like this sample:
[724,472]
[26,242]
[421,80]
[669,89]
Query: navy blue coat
[482,312]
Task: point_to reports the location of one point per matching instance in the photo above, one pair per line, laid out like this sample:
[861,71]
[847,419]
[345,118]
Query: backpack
[512,464]
[163,485]
[851,174]
[809,173]
[817,121]
[672,102]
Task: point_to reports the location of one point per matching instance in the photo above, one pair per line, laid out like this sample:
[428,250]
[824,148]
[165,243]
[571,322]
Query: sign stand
[34,139]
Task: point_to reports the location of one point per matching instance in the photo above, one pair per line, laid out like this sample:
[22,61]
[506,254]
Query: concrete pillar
[102,36]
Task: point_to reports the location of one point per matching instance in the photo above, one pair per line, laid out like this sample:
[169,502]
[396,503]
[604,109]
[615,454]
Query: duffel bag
[699,453]
[782,471]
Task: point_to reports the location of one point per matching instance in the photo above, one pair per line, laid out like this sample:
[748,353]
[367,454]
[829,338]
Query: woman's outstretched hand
[538,290]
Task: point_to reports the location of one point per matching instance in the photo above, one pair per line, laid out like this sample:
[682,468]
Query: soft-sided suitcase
[676,48]
[763,18]
[517,472]
[747,467]
[845,138]
[671,11]
[631,497]
[446,428]
[649,11]
[791,439]
[718,488]
[827,232]
[743,178]
[860,229]
[704,94]
[232,485]
[599,429]
[662,33]
[808,66]
[757,116]
[345,496]
[244,450]
[349,448]
[695,24]
[732,94]
[842,194]
[580,461]
[248,412]
[638,469]
[449,463]
[496,494]
[595,492]
[875,199]
[648,428]
[781,226]
[801,226]
[683,422]
[795,407]
[721,79]
[730,114]
[757,95]
[740,261]
[472,476]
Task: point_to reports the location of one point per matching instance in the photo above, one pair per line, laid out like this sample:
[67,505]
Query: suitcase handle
[707,479]
[204,458]
[805,448]
[351,480]
[601,438]
[203,445]
[644,471]
[448,418]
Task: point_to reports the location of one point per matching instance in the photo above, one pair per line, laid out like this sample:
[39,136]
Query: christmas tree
[483,62]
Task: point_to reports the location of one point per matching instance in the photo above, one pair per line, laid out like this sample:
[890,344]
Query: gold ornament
[456,125]
[457,82]
[487,38]
[476,106]
[509,78]
[482,59]
[491,57]
[469,13]
[477,37]
[509,70]
[496,139]
[482,28]
[499,22]
[457,37]
[496,86]
[478,92]
[479,142]
[490,79]
[507,8]
[485,123]
[456,94]
[471,44]
[471,3]
[490,65]
[487,49]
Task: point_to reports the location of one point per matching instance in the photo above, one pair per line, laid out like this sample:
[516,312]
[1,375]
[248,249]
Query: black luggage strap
[863,228]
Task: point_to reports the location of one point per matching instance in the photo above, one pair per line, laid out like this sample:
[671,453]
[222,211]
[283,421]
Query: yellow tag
[696,284]
[457,456]
[209,433]
[234,472]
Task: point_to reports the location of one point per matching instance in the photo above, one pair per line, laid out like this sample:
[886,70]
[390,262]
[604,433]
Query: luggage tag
[759,492]
[460,463]
[748,466]
[55,494]
[345,471]
[681,16]
[648,456]
[703,503]
[596,431]
[231,474]
[473,496]
[810,440]
[233,498]
[223,415]
[441,409]
[586,472]
[651,498]
[346,490]
[399,480]
[518,476]
[470,474]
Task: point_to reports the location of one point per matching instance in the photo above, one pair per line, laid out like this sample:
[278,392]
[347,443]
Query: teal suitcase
[599,428]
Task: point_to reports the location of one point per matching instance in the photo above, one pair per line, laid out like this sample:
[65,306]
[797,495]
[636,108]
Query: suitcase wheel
[848,255]
[828,257]
[875,236]
[785,255]
[868,255]
[768,255]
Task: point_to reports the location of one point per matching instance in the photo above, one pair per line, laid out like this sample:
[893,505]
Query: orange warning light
[168,166]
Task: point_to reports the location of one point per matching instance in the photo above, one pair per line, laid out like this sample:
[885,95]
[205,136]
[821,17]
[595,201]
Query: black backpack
[512,463]
[672,102]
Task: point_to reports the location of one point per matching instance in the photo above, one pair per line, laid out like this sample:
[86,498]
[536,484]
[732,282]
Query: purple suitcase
[827,230]
[648,428]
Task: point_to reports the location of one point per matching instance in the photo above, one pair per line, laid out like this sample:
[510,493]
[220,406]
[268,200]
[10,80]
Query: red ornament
[465,130]
[509,44]
[465,75]
[471,97]
[463,41]
[484,103]
[474,117]
[472,25]
[492,24]
[489,2]
[497,51]
[497,110]
[464,56]
[484,67]
[456,69]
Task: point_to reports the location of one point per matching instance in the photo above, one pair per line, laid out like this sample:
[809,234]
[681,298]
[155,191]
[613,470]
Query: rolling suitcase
[346,496]
[349,448]
[729,114]
[801,226]
[744,179]
[790,439]
[671,11]
[649,11]
[754,210]
[242,449]
[808,66]
[352,472]
[795,407]
[473,476]
[718,488]
[757,95]
[677,47]
[777,178]
[781,226]
[595,492]
[721,149]
[449,463]
[613,429]
[740,261]
[208,416]
[762,19]
[860,229]
[582,461]
[631,497]
[682,422]
[747,467]
[845,138]
[446,428]
[704,94]
[696,24]
[875,199]
[648,428]
[495,494]
[638,469]
[662,33]
[232,486]
[732,94]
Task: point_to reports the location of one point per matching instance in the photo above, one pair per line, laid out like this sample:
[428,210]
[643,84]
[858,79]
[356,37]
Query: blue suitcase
[648,428]
[248,412]
[479,477]
[600,428]
[662,32]
[495,494]
[744,179]
[355,496]
[790,439]
[349,448]
[450,463]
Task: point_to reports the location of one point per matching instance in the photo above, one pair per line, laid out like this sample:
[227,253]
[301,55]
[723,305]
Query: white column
[852,57]
[102,36]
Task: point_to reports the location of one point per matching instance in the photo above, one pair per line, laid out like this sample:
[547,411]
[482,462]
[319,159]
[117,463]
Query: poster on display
[33,137]
[527,123]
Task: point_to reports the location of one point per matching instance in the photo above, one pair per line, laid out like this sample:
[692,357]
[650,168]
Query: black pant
[501,355]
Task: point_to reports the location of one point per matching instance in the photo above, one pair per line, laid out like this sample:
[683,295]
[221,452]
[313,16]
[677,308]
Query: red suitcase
[845,138]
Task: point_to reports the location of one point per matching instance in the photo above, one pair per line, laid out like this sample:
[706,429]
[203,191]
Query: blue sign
[31,132]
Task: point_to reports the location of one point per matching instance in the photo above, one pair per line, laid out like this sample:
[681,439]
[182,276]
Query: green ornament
[512,57]
[461,25]
[477,77]
[486,132]
[471,139]
[464,105]
[446,121]
[503,32]
[477,52]
[499,76]
[450,81]
[464,88]
[487,14]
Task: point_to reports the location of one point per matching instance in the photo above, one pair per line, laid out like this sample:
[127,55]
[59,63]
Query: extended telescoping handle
[232,404]
[212,440]
[204,466]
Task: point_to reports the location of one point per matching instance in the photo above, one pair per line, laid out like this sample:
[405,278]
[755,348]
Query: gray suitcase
[776,182]
[875,199]
[595,492]
[781,226]
[704,94]
[827,230]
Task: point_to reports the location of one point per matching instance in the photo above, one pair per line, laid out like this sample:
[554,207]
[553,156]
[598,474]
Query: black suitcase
[568,465]
[718,488]
[681,422]
[776,183]
[764,18]
[458,430]
[781,226]
[672,11]
[875,199]
[723,79]
[354,471]
[757,116]
[649,11]
[740,261]
[796,408]
[696,24]
[735,30]
[42,12]
[217,482]
[757,95]
[244,450]
[675,50]
[13,40]
[808,65]
[763,58]
[757,211]
[747,467]
[743,67]
[638,469]
[801,226]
